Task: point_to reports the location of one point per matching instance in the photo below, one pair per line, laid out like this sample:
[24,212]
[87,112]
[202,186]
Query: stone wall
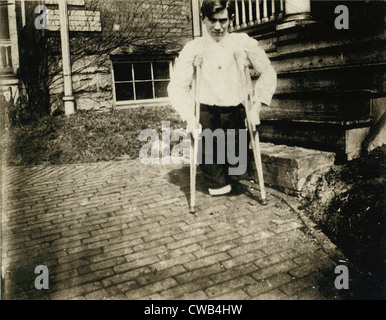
[92,83]
[157,26]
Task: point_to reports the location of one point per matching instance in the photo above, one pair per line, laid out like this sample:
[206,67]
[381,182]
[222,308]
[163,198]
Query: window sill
[140,103]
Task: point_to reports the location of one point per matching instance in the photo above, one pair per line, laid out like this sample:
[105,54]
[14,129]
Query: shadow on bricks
[181,178]
[240,185]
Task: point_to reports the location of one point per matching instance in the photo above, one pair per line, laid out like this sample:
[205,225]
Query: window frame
[133,61]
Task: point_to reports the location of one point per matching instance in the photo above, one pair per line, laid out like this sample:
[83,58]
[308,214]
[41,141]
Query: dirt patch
[347,203]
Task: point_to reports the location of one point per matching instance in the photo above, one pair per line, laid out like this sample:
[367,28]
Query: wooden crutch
[254,134]
[195,135]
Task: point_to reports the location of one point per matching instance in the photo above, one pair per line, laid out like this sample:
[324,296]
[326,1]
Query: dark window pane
[143,90]
[160,88]
[4,30]
[142,71]
[3,56]
[161,70]
[9,57]
[122,72]
[124,91]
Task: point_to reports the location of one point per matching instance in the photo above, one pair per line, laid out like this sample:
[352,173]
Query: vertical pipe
[68,99]
[196,20]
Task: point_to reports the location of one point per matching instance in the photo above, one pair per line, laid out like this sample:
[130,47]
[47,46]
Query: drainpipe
[68,98]
[196,5]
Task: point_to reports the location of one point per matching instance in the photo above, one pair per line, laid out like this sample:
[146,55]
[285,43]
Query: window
[143,80]
[4,27]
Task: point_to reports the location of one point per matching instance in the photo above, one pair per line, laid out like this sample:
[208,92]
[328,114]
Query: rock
[287,168]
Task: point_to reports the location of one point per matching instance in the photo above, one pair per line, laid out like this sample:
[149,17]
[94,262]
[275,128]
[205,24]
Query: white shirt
[220,82]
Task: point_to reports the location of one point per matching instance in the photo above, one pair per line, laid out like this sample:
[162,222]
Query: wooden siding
[327,78]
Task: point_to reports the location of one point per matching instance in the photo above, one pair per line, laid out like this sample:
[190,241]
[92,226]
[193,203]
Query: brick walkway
[122,230]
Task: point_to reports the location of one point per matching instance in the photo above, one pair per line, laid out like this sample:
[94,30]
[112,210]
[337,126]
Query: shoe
[220,191]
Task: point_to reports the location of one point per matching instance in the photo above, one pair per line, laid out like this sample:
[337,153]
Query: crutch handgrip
[197,61]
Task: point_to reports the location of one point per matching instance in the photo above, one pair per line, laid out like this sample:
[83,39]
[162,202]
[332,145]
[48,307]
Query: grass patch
[87,136]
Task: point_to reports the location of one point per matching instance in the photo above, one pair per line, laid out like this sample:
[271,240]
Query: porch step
[287,168]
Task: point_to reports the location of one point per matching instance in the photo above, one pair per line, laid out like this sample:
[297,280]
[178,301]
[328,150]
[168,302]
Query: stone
[287,168]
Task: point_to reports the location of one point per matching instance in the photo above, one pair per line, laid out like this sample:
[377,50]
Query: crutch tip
[263,202]
[192,210]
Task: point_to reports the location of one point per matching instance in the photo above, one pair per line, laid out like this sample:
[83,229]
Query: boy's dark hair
[210,7]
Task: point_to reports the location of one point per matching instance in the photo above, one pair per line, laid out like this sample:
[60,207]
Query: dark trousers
[214,117]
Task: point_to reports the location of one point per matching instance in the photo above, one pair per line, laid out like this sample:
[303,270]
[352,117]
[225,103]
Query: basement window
[141,80]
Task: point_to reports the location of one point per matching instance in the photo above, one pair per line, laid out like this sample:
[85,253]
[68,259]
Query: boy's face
[217,26]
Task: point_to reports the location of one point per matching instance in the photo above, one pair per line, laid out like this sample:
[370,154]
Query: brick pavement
[122,230]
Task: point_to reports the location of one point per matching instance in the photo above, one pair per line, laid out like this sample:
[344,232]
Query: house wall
[327,78]
[100,30]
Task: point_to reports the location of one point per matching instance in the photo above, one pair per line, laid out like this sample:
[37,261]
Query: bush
[348,205]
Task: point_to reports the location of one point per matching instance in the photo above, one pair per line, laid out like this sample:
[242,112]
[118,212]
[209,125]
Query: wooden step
[343,138]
